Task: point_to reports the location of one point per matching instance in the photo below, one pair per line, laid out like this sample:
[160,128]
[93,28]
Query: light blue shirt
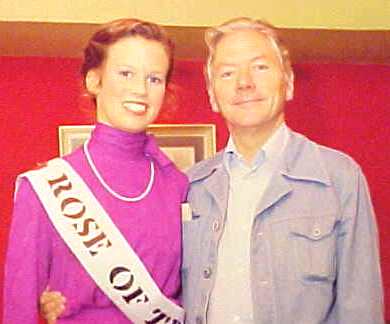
[247,184]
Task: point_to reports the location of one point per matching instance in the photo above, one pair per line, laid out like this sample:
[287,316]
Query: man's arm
[359,293]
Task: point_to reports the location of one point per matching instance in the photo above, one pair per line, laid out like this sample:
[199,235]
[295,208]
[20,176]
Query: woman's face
[130,85]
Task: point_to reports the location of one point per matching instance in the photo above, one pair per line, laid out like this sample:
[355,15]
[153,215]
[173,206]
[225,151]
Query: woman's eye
[126,74]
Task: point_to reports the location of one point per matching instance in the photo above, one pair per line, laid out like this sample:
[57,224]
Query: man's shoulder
[205,168]
[336,159]
[333,160]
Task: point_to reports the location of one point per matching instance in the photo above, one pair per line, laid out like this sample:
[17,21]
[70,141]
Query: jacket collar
[206,168]
[215,179]
[301,161]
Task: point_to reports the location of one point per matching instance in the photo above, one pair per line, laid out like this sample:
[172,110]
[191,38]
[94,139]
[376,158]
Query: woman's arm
[27,260]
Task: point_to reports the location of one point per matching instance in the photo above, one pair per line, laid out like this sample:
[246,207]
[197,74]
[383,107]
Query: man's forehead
[243,45]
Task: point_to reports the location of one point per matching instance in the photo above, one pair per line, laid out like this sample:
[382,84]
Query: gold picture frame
[185,144]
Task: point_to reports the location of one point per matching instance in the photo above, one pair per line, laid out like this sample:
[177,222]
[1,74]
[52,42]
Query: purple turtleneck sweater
[37,256]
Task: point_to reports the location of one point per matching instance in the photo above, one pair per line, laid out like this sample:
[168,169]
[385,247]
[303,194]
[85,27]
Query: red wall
[342,106]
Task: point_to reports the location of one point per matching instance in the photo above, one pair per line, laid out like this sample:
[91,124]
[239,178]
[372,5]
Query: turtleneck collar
[118,144]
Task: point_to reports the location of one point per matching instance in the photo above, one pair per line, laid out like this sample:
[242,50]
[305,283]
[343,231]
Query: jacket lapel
[278,188]
[218,187]
[214,178]
[301,160]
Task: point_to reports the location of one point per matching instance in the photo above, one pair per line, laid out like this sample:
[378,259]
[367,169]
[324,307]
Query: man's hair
[214,34]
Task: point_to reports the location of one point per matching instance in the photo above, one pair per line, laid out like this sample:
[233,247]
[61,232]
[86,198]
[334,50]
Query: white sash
[99,245]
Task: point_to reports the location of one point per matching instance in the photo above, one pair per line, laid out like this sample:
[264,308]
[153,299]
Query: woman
[126,67]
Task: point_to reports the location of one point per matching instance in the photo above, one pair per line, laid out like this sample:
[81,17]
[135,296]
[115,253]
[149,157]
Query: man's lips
[243,101]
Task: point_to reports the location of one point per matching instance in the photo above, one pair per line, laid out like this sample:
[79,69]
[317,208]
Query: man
[282,229]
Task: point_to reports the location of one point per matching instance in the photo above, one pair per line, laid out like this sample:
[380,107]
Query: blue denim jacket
[314,244]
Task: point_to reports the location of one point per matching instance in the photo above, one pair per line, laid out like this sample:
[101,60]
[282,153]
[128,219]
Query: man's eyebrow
[259,57]
[232,64]
[225,64]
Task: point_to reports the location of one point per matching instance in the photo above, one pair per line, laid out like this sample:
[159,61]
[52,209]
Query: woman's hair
[96,50]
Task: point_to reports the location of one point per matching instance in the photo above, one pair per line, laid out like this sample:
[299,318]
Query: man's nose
[245,80]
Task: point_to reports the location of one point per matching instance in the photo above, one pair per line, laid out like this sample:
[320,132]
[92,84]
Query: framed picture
[185,144]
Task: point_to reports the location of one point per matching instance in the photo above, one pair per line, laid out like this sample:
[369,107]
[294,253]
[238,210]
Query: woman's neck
[117,144]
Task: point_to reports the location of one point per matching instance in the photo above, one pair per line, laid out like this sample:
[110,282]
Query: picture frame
[184,144]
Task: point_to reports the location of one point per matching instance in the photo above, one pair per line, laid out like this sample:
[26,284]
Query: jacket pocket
[314,243]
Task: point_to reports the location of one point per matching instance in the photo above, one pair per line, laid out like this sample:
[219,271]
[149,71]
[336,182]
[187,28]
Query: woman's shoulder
[175,175]
[23,180]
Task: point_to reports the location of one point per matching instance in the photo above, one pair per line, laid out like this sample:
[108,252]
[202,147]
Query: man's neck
[249,140]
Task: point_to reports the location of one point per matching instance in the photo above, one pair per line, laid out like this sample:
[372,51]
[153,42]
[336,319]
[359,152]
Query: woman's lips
[135,107]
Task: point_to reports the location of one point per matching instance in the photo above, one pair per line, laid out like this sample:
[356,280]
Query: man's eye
[260,67]
[155,79]
[226,74]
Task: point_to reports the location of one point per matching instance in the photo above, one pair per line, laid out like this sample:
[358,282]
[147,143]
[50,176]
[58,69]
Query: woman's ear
[92,81]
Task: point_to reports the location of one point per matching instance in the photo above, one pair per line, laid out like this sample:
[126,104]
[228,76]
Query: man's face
[248,81]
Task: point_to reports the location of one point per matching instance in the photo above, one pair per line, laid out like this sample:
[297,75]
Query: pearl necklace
[106,186]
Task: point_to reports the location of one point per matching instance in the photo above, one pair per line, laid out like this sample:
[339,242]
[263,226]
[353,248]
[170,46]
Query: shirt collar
[300,159]
[270,151]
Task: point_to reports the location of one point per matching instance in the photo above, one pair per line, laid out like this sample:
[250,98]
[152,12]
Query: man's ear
[92,81]
[210,90]
[213,103]
[290,87]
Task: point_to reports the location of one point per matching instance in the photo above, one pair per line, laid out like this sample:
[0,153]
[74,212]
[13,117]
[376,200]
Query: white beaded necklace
[106,186]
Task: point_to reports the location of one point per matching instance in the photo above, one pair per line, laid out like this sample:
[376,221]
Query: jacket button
[207,273]
[316,232]
[198,320]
